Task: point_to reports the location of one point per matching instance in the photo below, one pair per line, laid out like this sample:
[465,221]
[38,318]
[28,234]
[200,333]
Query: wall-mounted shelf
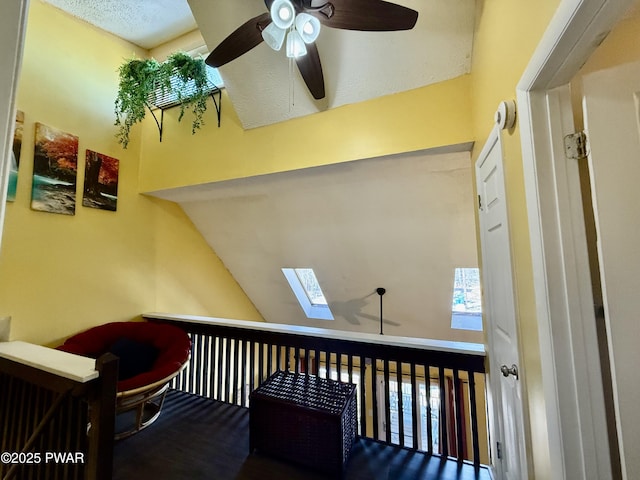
[170,99]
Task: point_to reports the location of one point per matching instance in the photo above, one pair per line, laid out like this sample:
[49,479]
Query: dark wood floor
[196,438]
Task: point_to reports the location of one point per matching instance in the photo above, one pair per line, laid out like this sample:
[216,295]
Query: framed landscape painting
[55,170]
[101,181]
[15,157]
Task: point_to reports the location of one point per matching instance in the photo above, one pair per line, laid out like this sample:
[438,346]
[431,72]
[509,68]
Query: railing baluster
[296,359]
[252,366]
[220,369]
[350,367]
[387,402]
[427,380]
[278,357]
[444,440]
[214,367]
[261,362]
[269,360]
[243,368]
[199,365]
[316,364]
[400,405]
[233,351]
[205,360]
[374,397]
[363,398]
[457,395]
[194,366]
[287,358]
[474,419]
[414,406]
[227,368]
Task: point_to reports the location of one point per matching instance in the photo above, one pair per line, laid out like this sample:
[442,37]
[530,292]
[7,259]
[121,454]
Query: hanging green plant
[141,81]
[193,85]
[138,80]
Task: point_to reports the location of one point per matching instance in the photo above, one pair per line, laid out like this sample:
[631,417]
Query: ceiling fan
[299,21]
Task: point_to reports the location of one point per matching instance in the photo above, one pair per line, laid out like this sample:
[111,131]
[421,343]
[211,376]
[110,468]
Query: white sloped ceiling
[402,223]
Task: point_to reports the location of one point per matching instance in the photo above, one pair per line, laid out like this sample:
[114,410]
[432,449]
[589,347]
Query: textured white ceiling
[147,23]
[264,86]
[357,66]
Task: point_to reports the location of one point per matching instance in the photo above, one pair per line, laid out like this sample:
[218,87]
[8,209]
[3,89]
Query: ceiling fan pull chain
[292,98]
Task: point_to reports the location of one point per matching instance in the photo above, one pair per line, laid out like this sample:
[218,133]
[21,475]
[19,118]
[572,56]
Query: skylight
[305,286]
[309,282]
[466,306]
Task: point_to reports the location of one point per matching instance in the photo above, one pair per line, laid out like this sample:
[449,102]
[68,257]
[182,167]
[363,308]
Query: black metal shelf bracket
[160,123]
[215,91]
[217,103]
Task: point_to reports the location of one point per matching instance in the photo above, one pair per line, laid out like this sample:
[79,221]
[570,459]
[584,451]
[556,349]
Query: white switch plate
[5,327]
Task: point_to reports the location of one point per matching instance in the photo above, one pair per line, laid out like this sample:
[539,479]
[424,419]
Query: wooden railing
[55,423]
[419,394]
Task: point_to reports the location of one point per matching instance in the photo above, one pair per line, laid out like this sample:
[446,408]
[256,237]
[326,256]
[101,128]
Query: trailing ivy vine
[188,69]
[140,81]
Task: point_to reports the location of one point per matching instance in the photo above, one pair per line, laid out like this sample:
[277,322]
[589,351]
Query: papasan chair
[151,355]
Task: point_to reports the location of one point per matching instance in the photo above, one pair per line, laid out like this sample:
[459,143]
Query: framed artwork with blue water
[55,171]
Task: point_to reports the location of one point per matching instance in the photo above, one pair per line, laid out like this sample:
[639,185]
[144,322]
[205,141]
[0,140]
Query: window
[466,307]
[169,99]
[305,286]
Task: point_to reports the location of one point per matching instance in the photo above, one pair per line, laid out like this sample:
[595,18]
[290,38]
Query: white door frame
[564,306]
[12,30]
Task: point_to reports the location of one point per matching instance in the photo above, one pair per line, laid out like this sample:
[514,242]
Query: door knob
[506,371]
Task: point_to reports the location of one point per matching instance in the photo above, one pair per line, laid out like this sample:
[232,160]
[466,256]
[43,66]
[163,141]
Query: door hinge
[575,146]
[499,450]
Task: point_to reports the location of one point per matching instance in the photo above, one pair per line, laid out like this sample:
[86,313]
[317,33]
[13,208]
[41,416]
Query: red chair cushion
[171,342]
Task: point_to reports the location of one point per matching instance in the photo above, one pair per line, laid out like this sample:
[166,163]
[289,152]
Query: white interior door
[612,118]
[508,439]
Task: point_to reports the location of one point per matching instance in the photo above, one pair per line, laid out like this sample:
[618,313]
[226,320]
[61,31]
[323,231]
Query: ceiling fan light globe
[283,13]
[295,46]
[308,27]
[274,36]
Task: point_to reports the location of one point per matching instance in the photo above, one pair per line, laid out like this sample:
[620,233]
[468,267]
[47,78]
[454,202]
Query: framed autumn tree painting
[55,169]
[101,181]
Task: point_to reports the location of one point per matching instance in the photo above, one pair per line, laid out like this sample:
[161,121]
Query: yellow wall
[507,33]
[60,274]
[424,118]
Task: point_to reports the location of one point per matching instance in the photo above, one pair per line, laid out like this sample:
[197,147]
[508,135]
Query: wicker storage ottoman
[305,419]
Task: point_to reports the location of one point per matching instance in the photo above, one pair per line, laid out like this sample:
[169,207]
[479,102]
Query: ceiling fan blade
[239,42]
[268,4]
[365,15]
[311,71]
